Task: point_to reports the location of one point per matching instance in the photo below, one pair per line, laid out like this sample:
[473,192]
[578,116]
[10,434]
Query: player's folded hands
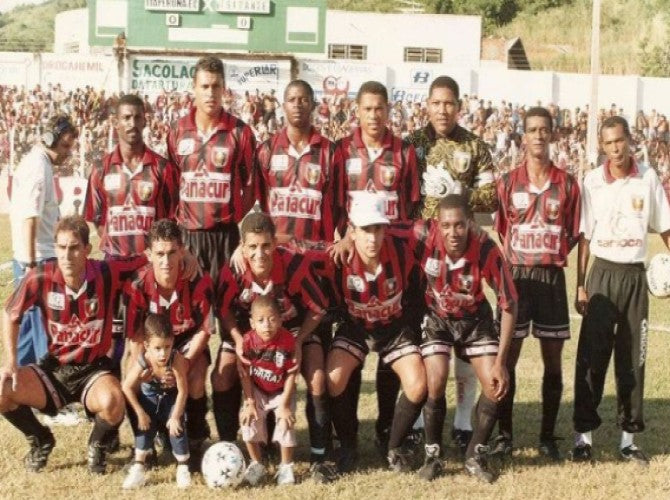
[174,426]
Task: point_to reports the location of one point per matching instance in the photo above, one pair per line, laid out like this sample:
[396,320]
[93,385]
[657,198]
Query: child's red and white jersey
[271,360]
[617,213]
[538,227]
[301,190]
[391,172]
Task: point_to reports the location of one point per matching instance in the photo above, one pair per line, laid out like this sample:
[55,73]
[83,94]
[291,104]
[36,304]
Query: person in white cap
[370,289]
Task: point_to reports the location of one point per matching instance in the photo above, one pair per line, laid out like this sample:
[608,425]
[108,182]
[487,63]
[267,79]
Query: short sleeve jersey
[189,308]
[392,173]
[538,227]
[467,159]
[271,360]
[78,323]
[616,213]
[126,203]
[214,170]
[292,283]
[301,190]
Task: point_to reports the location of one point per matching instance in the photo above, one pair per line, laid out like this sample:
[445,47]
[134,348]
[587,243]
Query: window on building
[423,54]
[342,51]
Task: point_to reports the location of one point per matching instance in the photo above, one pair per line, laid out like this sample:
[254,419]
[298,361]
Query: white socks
[466,392]
[583,438]
[626,439]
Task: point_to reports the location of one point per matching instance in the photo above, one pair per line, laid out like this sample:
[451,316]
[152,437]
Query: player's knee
[435,384]
[316,382]
[112,405]
[415,388]
[336,383]
[224,376]
[6,404]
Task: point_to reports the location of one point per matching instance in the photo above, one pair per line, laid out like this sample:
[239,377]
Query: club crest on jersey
[313,173]
[461,162]
[354,166]
[432,267]
[56,301]
[179,313]
[245,296]
[145,189]
[91,307]
[355,283]
[279,163]
[219,156]
[465,281]
[388,174]
[551,208]
[637,202]
[112,182]
[390,286]
[186,147]
[280,359]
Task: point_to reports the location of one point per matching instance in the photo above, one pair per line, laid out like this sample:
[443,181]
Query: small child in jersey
[157,403]
[269,385]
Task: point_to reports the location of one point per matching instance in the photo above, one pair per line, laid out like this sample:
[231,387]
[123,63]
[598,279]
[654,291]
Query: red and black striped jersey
[372,300]
[126,203]
[454,288]
[392,173]
[292,283]
[189,307]
[301,190]
[271,360]
[538,227]
[214,170]
[78,323]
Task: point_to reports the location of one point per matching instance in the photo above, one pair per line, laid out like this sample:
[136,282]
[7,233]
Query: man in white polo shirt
[619,204]
[33,216]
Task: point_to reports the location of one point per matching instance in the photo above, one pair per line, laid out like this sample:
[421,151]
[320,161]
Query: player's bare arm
[249,413]
[309,324]
[230,324]
[499,373]
[130,387]
[583,256]
[284,412]
[10,333]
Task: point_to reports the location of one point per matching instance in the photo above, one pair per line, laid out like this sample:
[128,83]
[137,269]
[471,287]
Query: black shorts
[212,247]
[65,384]
[183,345]
[470,337]
[392,342]
[543,301]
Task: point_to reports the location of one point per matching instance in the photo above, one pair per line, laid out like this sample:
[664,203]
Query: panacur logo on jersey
[295,201]
[450,302]
[76,333]
[203,186]
[129,219]
[536,237]
[375,309]
[391,205]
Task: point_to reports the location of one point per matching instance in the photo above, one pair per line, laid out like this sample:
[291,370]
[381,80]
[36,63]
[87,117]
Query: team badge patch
[551,208]
[219,156]
[179,313]
[637,203]
[390,286]
[245,296]
[388,173]
[145,189]
[186,147]
[462,161]
[354,166]
[520,200]
[465,281]
[432,267]
[280,359]
[112,182]
[279,163]
[355,283]
[313,173]
[56,301]
[91,307]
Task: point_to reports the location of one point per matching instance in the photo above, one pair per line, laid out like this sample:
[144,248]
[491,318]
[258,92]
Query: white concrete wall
[386,35]
[71,26]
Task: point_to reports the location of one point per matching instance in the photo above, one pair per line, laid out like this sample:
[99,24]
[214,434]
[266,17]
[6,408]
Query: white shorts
[257,431]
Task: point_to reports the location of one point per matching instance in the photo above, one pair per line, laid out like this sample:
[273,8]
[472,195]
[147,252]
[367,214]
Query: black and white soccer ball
[223,465]
[658,275]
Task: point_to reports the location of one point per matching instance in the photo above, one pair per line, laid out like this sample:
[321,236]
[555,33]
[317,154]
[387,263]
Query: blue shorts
[32,340]
[159,407]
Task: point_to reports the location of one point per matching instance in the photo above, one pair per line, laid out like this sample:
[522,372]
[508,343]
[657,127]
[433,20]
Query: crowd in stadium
[499,125]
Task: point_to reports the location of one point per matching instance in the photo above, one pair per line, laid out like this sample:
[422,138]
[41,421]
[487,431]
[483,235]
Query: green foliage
[654,59]
[493,12]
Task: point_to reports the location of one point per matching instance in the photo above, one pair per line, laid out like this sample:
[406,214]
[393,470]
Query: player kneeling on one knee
[73,294]
[155,403]
[268,386]
[370,288]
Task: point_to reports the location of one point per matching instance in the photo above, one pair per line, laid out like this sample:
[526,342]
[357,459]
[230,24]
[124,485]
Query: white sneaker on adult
[285,474]
[254,473]
[67,416]
[135,478]
[183,477]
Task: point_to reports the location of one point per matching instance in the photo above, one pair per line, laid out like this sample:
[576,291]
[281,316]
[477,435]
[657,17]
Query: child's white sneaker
[285,474]
[183,477]
[135,478]
[254,473]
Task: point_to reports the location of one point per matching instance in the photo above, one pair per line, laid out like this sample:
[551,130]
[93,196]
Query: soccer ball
[223,465]
[658,275]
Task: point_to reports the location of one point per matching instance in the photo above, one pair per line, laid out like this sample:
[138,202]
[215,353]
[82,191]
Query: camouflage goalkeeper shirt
[467,159]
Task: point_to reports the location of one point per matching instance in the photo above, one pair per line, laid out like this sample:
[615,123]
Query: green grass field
[524,476]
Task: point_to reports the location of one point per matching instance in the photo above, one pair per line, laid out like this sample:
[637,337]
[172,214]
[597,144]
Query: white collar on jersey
[76,294]
[298,154]
[535,190]
[372,277]
[374,153]
[163,302]
[256,288]
[454,265]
